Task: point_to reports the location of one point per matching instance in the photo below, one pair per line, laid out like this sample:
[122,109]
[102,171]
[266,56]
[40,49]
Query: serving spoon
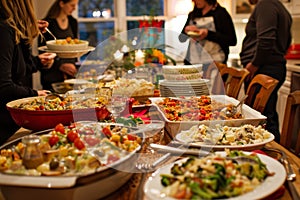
[52,96]
[51,33]
[231,112]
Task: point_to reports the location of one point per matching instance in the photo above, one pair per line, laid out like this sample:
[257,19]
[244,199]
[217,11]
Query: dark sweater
[267,34]
[225,34]
[53,75]
[16,64]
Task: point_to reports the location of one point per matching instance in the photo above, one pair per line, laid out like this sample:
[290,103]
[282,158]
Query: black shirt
[16,64]
[224,35]
[53,75]
[268,34]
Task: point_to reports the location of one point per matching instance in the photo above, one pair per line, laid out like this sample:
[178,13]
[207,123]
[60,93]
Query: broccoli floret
[176,170]
[167,180]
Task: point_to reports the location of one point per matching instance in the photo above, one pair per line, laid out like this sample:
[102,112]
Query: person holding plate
[19,27]
[63,25]
[212,32]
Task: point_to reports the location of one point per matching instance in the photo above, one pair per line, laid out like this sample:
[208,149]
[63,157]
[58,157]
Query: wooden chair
[233,80]
[220,66]
[290,118]
[213,74]
[259,91]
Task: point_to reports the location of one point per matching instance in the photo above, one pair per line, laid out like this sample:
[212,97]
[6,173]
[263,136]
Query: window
[99,19]
[144,7]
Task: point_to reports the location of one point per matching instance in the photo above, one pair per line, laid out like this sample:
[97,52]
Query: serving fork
[151,166]
[291,175]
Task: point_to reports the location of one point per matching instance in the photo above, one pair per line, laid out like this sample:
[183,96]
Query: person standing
[19,27]
[213,31]
[268,36]
[62,24]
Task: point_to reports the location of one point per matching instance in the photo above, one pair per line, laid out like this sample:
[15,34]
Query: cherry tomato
[53,140]
[131,137]
[60,128]
[107,131]
[79,144]
[72,135]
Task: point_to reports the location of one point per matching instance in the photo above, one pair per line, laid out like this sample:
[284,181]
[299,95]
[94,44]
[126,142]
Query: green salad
[214,177]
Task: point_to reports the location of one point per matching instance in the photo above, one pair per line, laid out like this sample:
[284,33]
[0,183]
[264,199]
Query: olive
[54,163]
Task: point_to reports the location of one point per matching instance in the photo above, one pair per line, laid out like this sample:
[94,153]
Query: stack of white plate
[184,88]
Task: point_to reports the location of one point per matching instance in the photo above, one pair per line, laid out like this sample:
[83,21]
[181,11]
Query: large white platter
[182,138]
[251,116]
[153,187]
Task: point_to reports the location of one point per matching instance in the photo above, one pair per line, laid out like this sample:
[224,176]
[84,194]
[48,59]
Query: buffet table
[133,189]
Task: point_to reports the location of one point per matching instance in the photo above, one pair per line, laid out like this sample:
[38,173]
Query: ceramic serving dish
[98,184]
[250,116]
[45,119]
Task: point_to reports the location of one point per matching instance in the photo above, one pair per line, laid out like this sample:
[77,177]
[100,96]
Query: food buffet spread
[78,145]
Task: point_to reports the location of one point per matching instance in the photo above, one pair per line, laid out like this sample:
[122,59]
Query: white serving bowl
[60,45]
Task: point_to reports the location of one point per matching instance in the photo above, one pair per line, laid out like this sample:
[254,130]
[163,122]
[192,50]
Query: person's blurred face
[200,3]
[253,2]
[69,7]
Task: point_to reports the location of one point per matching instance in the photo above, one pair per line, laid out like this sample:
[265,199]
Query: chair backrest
[212,73]
[259,91]
[289,120]
[233,80]
[220,66]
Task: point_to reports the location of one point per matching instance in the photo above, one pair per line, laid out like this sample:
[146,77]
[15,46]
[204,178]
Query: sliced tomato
[60,128]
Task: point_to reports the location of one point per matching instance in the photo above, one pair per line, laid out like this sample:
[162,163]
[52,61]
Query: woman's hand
[192,28]
[43,92]
[199,35]
[42,24]
[203,32]
[68,68]
[47,59]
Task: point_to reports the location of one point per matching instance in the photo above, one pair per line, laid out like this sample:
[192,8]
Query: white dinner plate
[153,187]
[182,138]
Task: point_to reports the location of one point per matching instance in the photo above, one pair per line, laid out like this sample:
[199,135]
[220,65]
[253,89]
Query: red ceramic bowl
[42,120]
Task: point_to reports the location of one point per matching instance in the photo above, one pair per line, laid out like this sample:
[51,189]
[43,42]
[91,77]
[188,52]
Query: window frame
[120,19]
